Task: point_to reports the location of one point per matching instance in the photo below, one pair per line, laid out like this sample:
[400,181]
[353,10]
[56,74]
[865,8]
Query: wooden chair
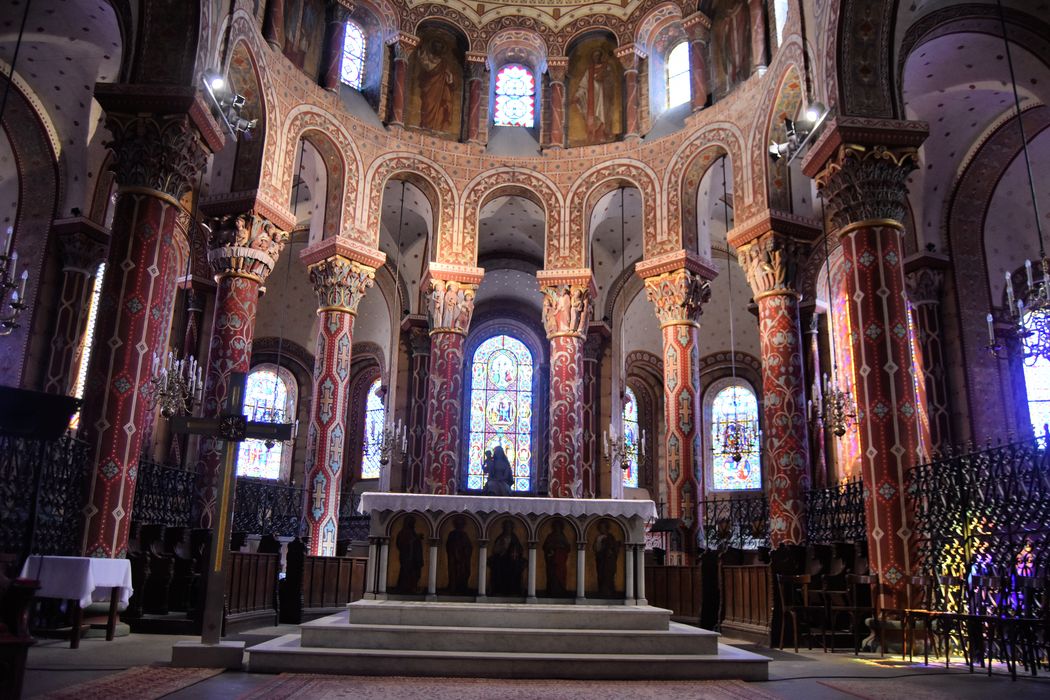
[858,602]
[940,605]
[796,603]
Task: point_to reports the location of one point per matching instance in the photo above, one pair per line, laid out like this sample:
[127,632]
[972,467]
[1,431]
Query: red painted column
[771,262]
[402,44]
[593,349]
[477,71]
[865,193]
[678,287]
[419,349]
[83,247]
[757,11]
[244,251]
[629,56]
[450,305]
[556,69]
[566,315]
[698,26]
[157,160]
[335,37]
[340,281]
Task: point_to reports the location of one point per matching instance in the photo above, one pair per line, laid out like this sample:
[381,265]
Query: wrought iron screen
[268,508]
[163,495]
[741,522]
[836,514]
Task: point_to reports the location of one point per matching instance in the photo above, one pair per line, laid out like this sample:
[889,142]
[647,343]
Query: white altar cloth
[87,579]
[576,507]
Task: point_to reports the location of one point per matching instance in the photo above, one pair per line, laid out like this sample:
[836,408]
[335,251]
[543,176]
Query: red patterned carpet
[138,683]
[317,687]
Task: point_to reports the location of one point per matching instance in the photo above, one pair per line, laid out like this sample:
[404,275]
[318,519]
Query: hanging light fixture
[737,432]
[839,411]
[1027,315]
[12,286]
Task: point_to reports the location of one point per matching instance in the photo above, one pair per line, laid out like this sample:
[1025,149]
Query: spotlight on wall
[227,105]
[815,112]
[798,132]
[217,83]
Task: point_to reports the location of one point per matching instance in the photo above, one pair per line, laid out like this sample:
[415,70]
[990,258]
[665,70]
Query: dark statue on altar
[507,561]
[500,475]
[459,551]
[410,556]
[556,555]
[606,552]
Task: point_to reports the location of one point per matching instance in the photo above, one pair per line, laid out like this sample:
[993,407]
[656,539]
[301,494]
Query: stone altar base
[506,640]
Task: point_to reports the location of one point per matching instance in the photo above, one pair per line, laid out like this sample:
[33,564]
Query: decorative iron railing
[985,512]
[741,522]
[352,525]
[268,508]
[42,492]
[163,495]
[836,514]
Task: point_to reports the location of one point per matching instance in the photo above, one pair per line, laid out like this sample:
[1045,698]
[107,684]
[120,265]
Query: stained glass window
[501,409]
[515,96]
[780,15]
[1037,385]
[375,418]
[266,399]
[847,448]
[679,90]
[353,68]
[631,435]
[85,346]
[732,405]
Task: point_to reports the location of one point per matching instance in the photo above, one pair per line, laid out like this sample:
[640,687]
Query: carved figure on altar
[507,561]
[501,476]
[410,556]
[556,555]
[459,551]
[606,553]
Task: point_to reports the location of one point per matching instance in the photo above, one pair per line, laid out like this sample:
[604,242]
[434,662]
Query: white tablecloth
[87,579]
[577,507]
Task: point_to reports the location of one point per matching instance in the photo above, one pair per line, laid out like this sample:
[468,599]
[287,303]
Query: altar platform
[494,587]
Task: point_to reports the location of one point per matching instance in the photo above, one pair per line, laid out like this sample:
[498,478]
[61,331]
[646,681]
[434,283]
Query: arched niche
[594,90]
[434,93]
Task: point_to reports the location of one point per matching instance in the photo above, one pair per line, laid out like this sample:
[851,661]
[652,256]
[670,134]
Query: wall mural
[304,22]
[730,46]
[595,93]
[435,88]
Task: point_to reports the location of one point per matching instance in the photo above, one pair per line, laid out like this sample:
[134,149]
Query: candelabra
[1028,316]
[738,435]
[839,410]
[176,385]
[618,449]
[13,291]
[388,439]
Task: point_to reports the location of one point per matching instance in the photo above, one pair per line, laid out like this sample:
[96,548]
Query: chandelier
[737,434]
[838,409]
[11,290]
[618,449]
[176,385]
[388,439]
[1027,317]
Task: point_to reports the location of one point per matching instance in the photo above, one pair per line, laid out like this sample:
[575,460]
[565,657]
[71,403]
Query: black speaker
[34,414]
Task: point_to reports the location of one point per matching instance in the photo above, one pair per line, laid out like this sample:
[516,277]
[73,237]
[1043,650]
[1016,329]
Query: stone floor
[53,665]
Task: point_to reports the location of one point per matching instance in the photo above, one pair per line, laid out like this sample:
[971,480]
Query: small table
[82,581]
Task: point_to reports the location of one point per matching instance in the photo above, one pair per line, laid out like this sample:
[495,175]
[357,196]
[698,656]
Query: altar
[506,549]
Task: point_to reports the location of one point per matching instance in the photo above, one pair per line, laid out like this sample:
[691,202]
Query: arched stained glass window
[375,418]
[679,91]
[353,67]
[733,407]
[515,96]
[501,409]
[631,435]
[267,398]
[1037,386]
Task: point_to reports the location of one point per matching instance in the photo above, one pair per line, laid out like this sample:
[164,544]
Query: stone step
[335,632]
[287,655]
[508,615]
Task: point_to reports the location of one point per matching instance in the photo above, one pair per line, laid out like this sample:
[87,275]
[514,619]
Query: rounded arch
[571,250]
[719,477]
[428,176]
[650,25]
[682,181]
[517,45]
[324,129]
[242,73]
[505,182]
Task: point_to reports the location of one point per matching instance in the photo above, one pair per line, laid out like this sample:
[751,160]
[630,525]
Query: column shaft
[483,568]
[335,37]
[476,73]
[556,69]
[698,26]
[581,571]
[402,46]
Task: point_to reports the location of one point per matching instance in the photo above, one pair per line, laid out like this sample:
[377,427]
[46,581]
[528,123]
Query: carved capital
[450,305]
[698,27]
[82,245]
[158,152]
[629,56]
[862,183]
[678,296]
[557,66]
[477,65]
[244,245]
[340,283]
[566,309]
[403,44]
[594,347]
[924,285]
[772,264]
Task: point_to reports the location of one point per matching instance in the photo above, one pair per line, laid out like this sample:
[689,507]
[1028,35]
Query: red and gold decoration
[244,251]
[341,273]
[450,306]
[566,314]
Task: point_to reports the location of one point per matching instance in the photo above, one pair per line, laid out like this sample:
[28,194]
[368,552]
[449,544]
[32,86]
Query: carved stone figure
[507,561]
[556,555]
[410,556]
[459,551]
[606,551]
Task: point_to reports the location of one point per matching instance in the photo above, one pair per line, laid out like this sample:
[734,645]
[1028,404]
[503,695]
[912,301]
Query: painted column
[865,193]
[772,262]
[629,56]
[273,24]
[157,160]
[925,280]
[757,11]
[402,45]
[557,66]
[82,245]
[341,273]
[698,27]
[335,37]
[581,570]
[593,349]
[244,250]
[566,314]
[477,72]
[450,304]
[419,360]
[531,592]
[639,568]
[483,563]
[678,286]
[432,573]
[628,573]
